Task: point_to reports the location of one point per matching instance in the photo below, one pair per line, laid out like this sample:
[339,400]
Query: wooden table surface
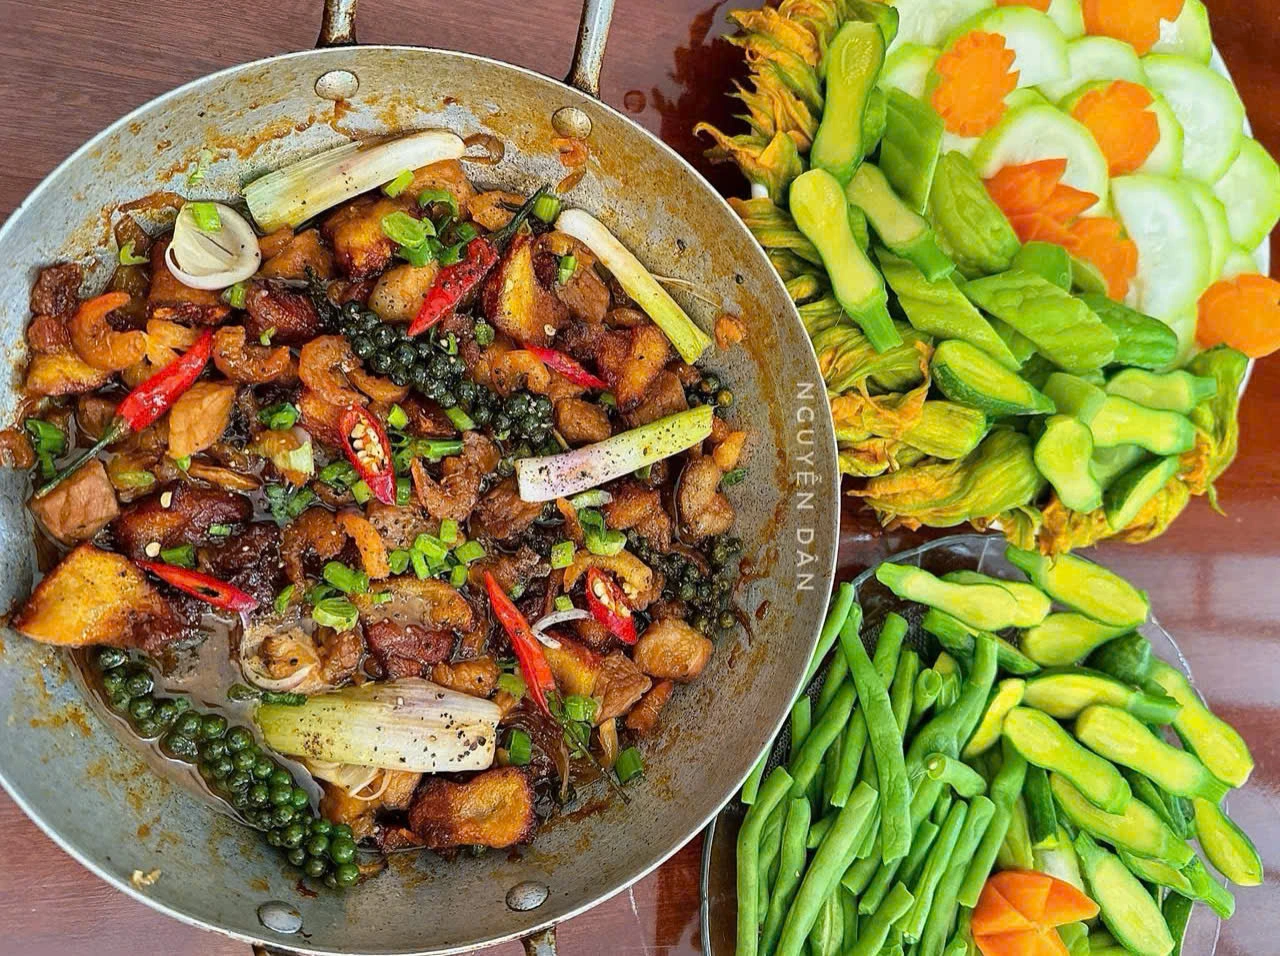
[71,68]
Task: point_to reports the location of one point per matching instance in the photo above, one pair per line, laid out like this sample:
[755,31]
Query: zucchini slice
[967,375]
[1216,224]
[907,68]
[1127,908]
[1250,192]
[1034,132]
[1166,158]
[1068,16]
[1039,47]
[929,22]
[1090,59]
[1189,35]
[1207,106]
[1173,245]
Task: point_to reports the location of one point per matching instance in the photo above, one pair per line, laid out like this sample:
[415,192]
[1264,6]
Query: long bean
[791,860]
[962,936]
[874,930]
[928,687]
[962,778]
[926,833]
[886,745]
[949,669]
[838,611]
[824,872]
[922,802]
[1042,818]
[942,913]
[948,731]
[943,806]
[831,767]
[888,647]
[902,691]
[1005,788]
[818,832]
[849,904]
[800,721]
[805,764]
[770,844]
[771,793]
[837,671]
[912,925]
[859,873]
[828,929]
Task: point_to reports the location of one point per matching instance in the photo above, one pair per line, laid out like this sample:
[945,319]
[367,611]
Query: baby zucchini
[1124,739]
[1127,908]
[1033,604]
[1218,745]
[984,606]
[1062,454]
[1226,845]
[970,376]
[1065,637]
[1138,828]
[1083,585]
[1065,693]
[1043,742]
[960,639]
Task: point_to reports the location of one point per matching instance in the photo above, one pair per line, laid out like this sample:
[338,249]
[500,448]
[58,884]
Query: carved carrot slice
[1244,313]
[1125,129]
[974,77]
[1137,22]
[1024,190]
[1101,241]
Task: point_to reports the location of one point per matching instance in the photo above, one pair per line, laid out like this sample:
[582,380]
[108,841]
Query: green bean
[1004,792]
[935,866]
[962,936]
[921,803]
[942,914]
[828,929]
[926,833]
[751,786]
[837,671]
[842,605]
[852,746]
[800,721]
[893,631]
[770,843]
[771,793]
[960,777]
[886,745]
[859,873]
[928,687]
[1015,852]
[943,806]
[902,691]
[949,730]
[818,831]
[791,860]
[824,872]
[849,906]
[831,768]
[875,929]
[804,765]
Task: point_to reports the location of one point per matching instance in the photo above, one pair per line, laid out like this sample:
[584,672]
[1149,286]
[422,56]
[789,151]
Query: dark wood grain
[71,68]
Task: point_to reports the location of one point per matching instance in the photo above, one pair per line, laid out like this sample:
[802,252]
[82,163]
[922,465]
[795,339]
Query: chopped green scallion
[629,765]
[345,579]
[642,474]
[280,417]
[568,266]
[465,232]
[564,602]
[469,551]
[449,531]
[205,215]
[403,491]
[338,475]
[519,748]
[546,207]
[284,598]
[132,479]
[46,437]
[458,575]
[201,169]
[429,197]
[513,684]
[265,338]
[183,462]
[562,554]
[335,612]
[182,555]
[417,256]
[484,333]
[732,478]
[461,420]
[220,530]
[128,258]
[397,417]
[579,708]
[399,184]
[399,561]
[419,561]
[594,498]
[607,400]
[404,230]
[361,492]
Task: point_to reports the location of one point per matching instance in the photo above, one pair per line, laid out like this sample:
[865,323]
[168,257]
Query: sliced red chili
[567,366]
[533,662]
[203,586]
[365,442]
[455,283]
[608,605]
[146,403]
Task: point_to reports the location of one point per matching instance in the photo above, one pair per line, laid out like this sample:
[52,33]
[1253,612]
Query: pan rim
[830,525]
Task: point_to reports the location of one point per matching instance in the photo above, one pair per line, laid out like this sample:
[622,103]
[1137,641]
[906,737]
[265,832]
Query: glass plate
[983,553]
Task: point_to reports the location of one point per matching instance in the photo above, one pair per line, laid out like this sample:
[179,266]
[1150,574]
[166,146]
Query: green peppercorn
[239,780]
[111,657]
[188,725]
[297,856]
[346,874]
[139,683]
[259,794]
[212,749]
[299,798]
[146,728]
[282,816]
[113,681]
[342,850]
[274,838]
[315,866]
[280,778]
[280,795]
[141,707]
[262,768]
[320,826]
[244,760]
[212,726]
[318,845]
[166,713]
[179,747]
[294,834]
[238,738]
[222,768]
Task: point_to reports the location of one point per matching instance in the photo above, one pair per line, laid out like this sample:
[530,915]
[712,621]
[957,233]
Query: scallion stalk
[399,184]
[461,420]
[182,555]
[519,748]
[629,765]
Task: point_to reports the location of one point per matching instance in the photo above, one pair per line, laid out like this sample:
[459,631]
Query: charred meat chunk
[406,650]
[502,514]
[57,290]
[287,316]
[178,515]
[672,650]
[517,303]
[494,809]
[80,507]
[169,299]
[250,560]
[360,247]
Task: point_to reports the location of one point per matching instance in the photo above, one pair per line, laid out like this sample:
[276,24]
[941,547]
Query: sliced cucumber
[907,68]
[1132,490]
[1166,158]
[1039,47]
[1216,224]
[1173,245]
[1189,35]
[1239,263]
[1250,192]
[1096,58]
[1034,132]
[1207,106]
[1068,17]
[929,22]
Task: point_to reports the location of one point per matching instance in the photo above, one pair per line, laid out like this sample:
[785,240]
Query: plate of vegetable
[1028,241]
[986,763]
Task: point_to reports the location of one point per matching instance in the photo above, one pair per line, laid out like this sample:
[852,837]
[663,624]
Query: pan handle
[338,24]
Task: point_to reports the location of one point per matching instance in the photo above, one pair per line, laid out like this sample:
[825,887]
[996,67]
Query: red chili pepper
[569,367]
[454,284]
[142,406]
[608,605]
[533,662]
[367,448]
[203,586]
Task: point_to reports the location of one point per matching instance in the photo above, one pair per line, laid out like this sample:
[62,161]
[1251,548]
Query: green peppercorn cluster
[235,768]
[707,594]
[422,364]
[709,390]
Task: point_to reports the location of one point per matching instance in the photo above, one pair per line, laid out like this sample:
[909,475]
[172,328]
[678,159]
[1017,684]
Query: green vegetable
[1127,908]
[1043,742]
[774,789]
[910,148]
[959,638]
[1137,828]
[1087,587]
[1176,908]
[940,309]
[1021,347]
[1124,739]
[1218,745]
[1042,819]
[1118,421]
[1065,637]
[345,579]
[1226,845]
[970,376]
[947,430]
[205,215]
[1129,494]
[872,11]
[1033,604]
[909,867]
[1063,454]
[822,877]
[986,606]
[1155,872]
[1007,695]
[951,728]
[1178,391]
[1062,327]
[1109,464]
[1049,261]
[1004,791]
[519,748]
[888,646]
[1205,887]
[828,929]
[942,914]
[928,686]
[1065,693]
[1140,340]
[819,208]
[852,64]
[1167,807]
[337,613]
[805,764]
[935,867]
[905,232]
[886,747]
[873,932]
[970,227]
[770,845]
[960,777]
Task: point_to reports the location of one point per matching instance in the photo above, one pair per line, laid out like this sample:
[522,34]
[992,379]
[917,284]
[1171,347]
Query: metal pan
[92,789]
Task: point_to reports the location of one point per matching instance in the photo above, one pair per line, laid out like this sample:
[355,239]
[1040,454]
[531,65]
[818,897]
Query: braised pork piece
[444,477]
